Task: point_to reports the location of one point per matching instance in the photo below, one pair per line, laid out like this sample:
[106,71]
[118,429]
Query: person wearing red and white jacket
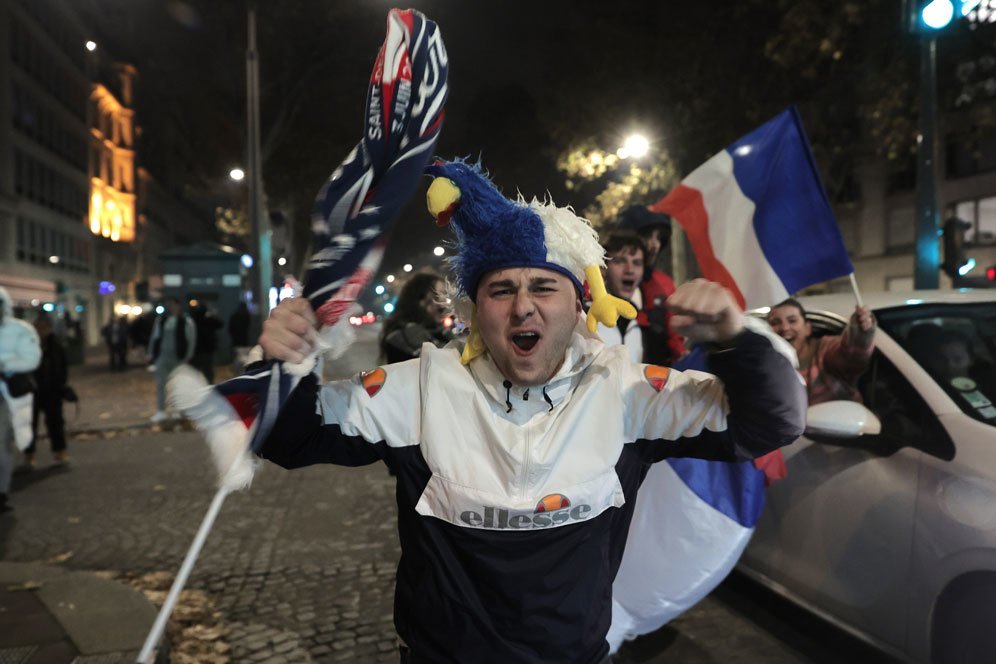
[661,343]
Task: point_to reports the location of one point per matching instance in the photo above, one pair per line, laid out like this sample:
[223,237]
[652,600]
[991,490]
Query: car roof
[843,303]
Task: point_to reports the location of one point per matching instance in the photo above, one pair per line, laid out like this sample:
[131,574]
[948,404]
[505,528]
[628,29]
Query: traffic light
[954,247]
[931,16]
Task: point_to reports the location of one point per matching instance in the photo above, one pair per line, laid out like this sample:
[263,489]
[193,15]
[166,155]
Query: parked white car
[886,523]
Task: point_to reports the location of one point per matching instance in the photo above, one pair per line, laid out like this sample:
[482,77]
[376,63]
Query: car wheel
[964,626]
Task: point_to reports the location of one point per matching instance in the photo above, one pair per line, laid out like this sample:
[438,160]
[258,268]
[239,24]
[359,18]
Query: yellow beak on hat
[442,198]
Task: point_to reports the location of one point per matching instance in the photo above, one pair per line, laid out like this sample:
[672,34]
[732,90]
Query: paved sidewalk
[112,400]
[52,615]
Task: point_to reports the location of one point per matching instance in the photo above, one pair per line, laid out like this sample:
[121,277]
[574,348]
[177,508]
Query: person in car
[831,365]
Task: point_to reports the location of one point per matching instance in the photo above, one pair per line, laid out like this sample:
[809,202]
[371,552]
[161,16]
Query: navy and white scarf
[352,215]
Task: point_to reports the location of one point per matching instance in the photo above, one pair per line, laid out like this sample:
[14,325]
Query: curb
[103,619]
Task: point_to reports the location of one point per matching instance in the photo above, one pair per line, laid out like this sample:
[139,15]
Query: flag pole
[155,634]
[857,293]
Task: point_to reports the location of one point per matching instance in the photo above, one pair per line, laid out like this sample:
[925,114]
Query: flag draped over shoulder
[758,218]
[352,215]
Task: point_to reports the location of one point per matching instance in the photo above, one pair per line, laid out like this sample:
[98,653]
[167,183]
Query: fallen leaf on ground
[27,585]
[60,558]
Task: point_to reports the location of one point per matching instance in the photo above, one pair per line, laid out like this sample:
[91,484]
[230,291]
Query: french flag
[759,222]
[692,520]
[758,218]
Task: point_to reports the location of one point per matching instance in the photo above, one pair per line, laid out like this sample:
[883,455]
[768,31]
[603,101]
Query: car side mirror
[841,419]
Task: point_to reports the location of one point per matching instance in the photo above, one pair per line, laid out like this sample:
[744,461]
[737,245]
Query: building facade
[81,223]
[879,229]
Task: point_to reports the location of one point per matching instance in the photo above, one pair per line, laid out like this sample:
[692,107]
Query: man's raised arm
[751,403]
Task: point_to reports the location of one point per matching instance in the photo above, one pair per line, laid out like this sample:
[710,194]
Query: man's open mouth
[628,283]
[525,340]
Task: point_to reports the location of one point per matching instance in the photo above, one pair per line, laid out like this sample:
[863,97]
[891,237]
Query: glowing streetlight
[237,174]
[388,307]
[54,260]
[635,145]
[408,267]
[91,45]
[439,251]
[389,278]
[379,289]
[281,261]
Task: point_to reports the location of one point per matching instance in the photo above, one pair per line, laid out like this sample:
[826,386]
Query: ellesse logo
[553,502]
[373,380]
[552,510]
[656,376]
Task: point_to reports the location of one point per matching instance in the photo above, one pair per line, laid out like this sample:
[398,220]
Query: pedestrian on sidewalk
[417,319]
[51,378]
[20,354]
[238,332]
[173,341]
[115,335]
[206,324]
[518,461]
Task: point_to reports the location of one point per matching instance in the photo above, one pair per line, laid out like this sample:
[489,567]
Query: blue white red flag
[758,218]
[353,213]
[692,520]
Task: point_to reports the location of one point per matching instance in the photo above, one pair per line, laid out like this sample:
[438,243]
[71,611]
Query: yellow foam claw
[475,344]
[605,309]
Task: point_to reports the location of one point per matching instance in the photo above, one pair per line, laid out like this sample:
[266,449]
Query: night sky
[527,81]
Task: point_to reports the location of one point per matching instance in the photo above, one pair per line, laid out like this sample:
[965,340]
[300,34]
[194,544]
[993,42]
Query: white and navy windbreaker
[514,503]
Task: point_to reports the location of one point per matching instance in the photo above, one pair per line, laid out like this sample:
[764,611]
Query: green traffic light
[937,14]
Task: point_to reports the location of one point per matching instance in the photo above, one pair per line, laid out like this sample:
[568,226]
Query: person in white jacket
[20,353]
[625,254]
[518,459]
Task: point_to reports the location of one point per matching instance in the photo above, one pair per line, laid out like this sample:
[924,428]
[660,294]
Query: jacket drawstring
[508,395]
[546,397]
[525,395]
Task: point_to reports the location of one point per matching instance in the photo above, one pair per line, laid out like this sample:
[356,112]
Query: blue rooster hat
[493,232]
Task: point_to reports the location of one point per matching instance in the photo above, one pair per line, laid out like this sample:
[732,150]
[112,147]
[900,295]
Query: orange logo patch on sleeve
[656,376]
[373,380]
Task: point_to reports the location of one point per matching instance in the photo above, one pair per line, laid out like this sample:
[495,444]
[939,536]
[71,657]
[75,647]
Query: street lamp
[635,145]
[91,45]
[389,278]
[237,174]
[281,261]
[438,251]
[408,267]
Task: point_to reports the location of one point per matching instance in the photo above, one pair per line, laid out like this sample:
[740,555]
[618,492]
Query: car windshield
[956,345]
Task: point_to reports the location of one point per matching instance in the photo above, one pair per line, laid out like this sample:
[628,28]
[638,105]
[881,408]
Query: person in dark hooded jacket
[51,377]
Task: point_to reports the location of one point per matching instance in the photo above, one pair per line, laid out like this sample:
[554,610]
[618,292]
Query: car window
[956,345]
[907,420]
